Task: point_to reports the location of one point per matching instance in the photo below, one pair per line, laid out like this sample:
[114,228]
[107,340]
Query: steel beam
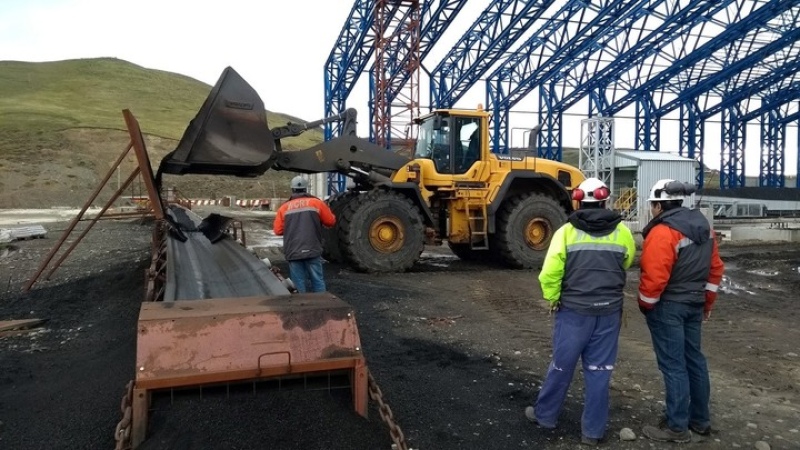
[498,27]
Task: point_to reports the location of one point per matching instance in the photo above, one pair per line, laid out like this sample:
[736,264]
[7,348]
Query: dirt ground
[458,350]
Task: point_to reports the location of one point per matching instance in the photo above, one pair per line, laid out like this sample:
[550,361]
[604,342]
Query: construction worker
[300,221]
[582,278]
[680,273]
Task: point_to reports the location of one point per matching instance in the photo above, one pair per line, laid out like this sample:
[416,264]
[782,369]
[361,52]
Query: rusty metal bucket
[205,342]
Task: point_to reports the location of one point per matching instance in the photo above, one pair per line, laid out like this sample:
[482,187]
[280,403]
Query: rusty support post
[108,204]
[141,403]
[360,388]
[144,163]
[74,222]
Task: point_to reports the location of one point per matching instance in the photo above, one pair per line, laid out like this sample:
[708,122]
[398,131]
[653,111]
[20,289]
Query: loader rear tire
[525,226]
[381,231]
[331,250]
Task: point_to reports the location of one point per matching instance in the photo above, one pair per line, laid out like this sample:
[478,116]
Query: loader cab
[452,142]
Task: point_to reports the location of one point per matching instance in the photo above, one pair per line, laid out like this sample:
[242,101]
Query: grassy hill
[61,129]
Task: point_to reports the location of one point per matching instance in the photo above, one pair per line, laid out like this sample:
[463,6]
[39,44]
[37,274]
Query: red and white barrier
[204,202]
[252,203]
[244,203]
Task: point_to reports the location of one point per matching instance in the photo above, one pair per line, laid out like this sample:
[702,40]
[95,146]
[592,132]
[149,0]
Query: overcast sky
[278,46]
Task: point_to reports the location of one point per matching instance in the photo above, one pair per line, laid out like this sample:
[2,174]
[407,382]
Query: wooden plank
[6,325]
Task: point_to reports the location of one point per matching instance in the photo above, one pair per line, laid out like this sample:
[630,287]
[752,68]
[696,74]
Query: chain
[386,415]
[122,434]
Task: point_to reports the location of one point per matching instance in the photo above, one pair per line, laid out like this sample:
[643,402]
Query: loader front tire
[381,231]
[330,236]
[525,225]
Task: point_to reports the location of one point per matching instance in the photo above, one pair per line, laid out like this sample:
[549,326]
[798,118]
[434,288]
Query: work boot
[531,416]
[591,442]
[702,431]
[663,433]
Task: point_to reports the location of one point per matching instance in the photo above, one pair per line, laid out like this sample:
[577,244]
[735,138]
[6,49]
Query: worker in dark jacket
[680,274]
[582,278]
[300,221]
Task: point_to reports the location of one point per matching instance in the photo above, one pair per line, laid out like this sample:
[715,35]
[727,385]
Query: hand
[644,310]
[706,315]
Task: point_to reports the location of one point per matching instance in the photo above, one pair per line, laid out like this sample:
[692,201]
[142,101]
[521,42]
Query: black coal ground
[458,350]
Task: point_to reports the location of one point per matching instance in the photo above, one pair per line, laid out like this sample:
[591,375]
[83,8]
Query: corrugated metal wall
[652,171]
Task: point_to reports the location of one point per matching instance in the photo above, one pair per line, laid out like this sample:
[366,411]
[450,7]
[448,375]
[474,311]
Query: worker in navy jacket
[300,221]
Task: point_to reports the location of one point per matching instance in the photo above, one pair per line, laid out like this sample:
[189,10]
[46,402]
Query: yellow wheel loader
[454,189]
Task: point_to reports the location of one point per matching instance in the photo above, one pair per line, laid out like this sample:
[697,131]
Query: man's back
[300,221]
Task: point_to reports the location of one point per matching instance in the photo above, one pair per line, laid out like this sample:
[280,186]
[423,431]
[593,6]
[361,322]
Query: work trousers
[593,339]
[676,332]
[303,270]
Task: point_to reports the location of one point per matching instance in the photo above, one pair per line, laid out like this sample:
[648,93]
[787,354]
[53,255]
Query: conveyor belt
[198,269]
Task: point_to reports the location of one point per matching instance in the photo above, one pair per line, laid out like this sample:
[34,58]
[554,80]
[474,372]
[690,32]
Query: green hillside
[61,129]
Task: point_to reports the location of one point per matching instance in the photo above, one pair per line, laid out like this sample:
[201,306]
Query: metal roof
[650,156]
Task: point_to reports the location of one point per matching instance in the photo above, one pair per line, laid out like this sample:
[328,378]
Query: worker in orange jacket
[300,221]
[680,273]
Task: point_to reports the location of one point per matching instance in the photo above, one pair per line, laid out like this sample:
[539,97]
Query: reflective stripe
[596,247]
[605,367]
[649,300]
[685,242]
[712,287]
[304,209]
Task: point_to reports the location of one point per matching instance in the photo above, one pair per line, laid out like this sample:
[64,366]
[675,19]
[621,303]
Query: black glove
[644,310]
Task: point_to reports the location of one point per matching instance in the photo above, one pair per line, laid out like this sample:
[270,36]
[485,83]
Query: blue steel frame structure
[738,60]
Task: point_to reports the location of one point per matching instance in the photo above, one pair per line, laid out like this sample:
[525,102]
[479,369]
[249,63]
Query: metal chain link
[122,434]
[386,414]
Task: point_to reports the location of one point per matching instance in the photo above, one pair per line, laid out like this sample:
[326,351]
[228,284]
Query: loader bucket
[229,136]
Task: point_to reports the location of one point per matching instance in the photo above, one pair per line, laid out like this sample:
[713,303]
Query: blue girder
[635,45]
[347,59]
[688,60]
[731,174]
[692,131]
[498,27]
[740,73]
[648,127]
[556,47]
[773,140]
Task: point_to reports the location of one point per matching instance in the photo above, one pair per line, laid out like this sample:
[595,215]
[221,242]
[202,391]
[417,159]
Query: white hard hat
[592,190]
[668,190]
[299,183]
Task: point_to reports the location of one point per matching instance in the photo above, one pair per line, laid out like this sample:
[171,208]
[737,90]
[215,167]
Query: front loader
[454,189]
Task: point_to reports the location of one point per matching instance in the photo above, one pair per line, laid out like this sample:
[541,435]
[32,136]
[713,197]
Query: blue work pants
[302,270]
[676,332]
[593,339]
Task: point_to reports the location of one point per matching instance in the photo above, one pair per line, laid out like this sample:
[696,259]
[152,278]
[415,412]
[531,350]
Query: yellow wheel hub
[386,234]
[537,234]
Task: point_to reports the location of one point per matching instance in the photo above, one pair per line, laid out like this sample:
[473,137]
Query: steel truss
[697,58]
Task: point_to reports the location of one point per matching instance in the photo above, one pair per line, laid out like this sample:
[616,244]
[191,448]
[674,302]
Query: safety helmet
[668,190]
[299,183]
[592,190]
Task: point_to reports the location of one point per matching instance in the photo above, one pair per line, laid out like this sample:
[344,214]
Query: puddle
[265,239]
[764,272]
[729,286]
